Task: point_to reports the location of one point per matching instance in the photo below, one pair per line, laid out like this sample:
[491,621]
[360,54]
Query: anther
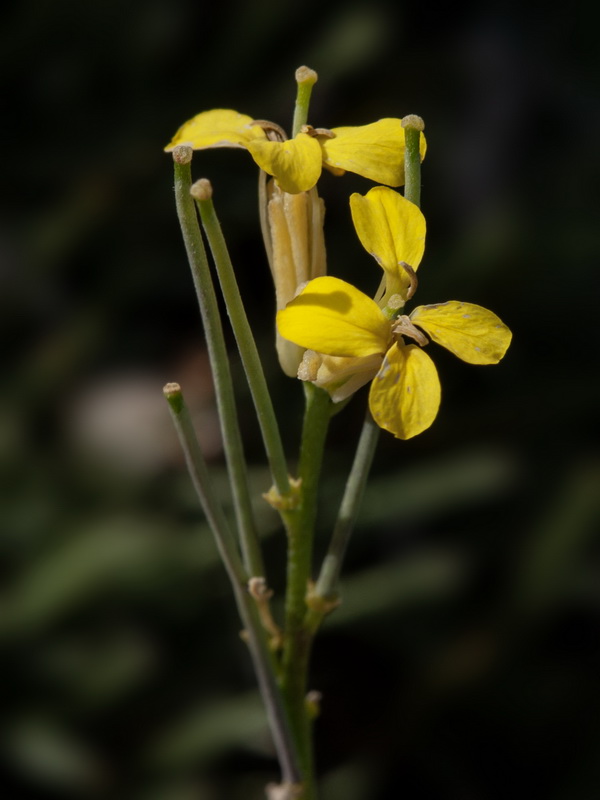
[412,276]
[274,132]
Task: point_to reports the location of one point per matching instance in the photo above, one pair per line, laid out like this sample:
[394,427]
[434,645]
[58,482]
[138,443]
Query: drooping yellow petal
[296,163]
[341,377]
[405,394]
[221,127]
[375,151]
[333,317]
[471,332]
[392,230]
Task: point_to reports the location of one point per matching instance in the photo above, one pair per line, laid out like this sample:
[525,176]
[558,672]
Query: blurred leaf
[111,552]
[352,781]
[554,562]
[209,730]
[437,487]
[404,582]
[97,669]
[47,754]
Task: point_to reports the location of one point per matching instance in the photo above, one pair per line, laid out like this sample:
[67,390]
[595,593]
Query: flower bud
[295,223]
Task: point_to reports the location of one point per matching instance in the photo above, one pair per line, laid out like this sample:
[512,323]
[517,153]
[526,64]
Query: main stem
[300,527]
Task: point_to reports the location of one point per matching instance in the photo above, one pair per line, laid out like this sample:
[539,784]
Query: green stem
[245,340]
[327,583]
[261,656]
[323,598]
[215,341]
[301,525]
[305,79]
[413,125]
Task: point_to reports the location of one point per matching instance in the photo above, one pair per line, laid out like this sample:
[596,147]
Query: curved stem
[215,341]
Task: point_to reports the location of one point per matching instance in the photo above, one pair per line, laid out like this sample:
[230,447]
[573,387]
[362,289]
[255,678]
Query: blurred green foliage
[463,662]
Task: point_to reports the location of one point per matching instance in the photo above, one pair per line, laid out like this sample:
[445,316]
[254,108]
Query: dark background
[464,661]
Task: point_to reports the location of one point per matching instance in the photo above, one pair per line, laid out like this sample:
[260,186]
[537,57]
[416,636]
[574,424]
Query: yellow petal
[341,377]
[220,127]
[332,317]
[391,229]
[470,332]
[296,163]
[375,151]
[405,394]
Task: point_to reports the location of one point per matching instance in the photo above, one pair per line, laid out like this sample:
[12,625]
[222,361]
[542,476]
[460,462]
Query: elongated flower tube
[375,151]
[296,244]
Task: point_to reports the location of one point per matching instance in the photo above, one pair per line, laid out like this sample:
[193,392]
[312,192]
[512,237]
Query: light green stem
[261,656]
[247,347]
[305,79]
[329,575]
[215,341]
[413,125]
[326,588]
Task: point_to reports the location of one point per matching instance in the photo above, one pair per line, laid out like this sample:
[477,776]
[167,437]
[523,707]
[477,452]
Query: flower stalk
[247,608]
[202,193]
[325,594]
[215,342]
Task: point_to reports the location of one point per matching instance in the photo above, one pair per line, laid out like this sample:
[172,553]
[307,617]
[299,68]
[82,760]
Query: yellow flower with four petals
[352,339]
[375,151]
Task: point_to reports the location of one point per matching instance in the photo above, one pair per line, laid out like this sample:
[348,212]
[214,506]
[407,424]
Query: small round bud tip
[172,393]
[413,122]
[182,154]
[169,389]
[306,75]
[201,189]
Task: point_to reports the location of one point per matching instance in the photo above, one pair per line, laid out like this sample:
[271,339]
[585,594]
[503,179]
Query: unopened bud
[201,189]
[182,154]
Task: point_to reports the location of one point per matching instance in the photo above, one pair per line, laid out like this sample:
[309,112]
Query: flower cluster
[331,333]
[352,339]
[375,151]
[292,213]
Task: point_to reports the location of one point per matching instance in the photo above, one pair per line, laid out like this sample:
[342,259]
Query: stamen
[274,132]
[404,327]
[412,276]
[310,131]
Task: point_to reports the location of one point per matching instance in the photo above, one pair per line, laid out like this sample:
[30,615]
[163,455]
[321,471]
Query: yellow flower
[375,151]
[351,339]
